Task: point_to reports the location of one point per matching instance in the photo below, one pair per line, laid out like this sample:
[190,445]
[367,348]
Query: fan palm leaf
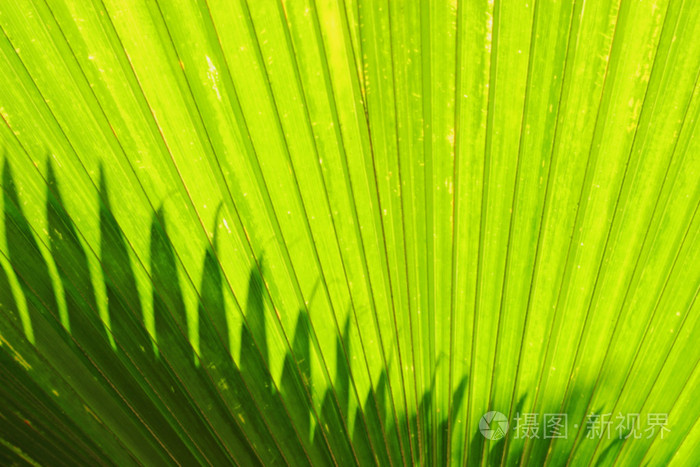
[349,232]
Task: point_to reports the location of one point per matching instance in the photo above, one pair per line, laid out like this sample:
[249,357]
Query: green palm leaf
[347,232]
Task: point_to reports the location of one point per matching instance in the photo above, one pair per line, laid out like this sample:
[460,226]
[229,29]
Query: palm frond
[348,232]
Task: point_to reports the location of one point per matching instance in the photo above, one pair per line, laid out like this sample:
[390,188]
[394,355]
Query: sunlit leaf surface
[344,232]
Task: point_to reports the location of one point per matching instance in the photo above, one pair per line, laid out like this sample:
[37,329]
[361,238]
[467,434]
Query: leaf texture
[339,232]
